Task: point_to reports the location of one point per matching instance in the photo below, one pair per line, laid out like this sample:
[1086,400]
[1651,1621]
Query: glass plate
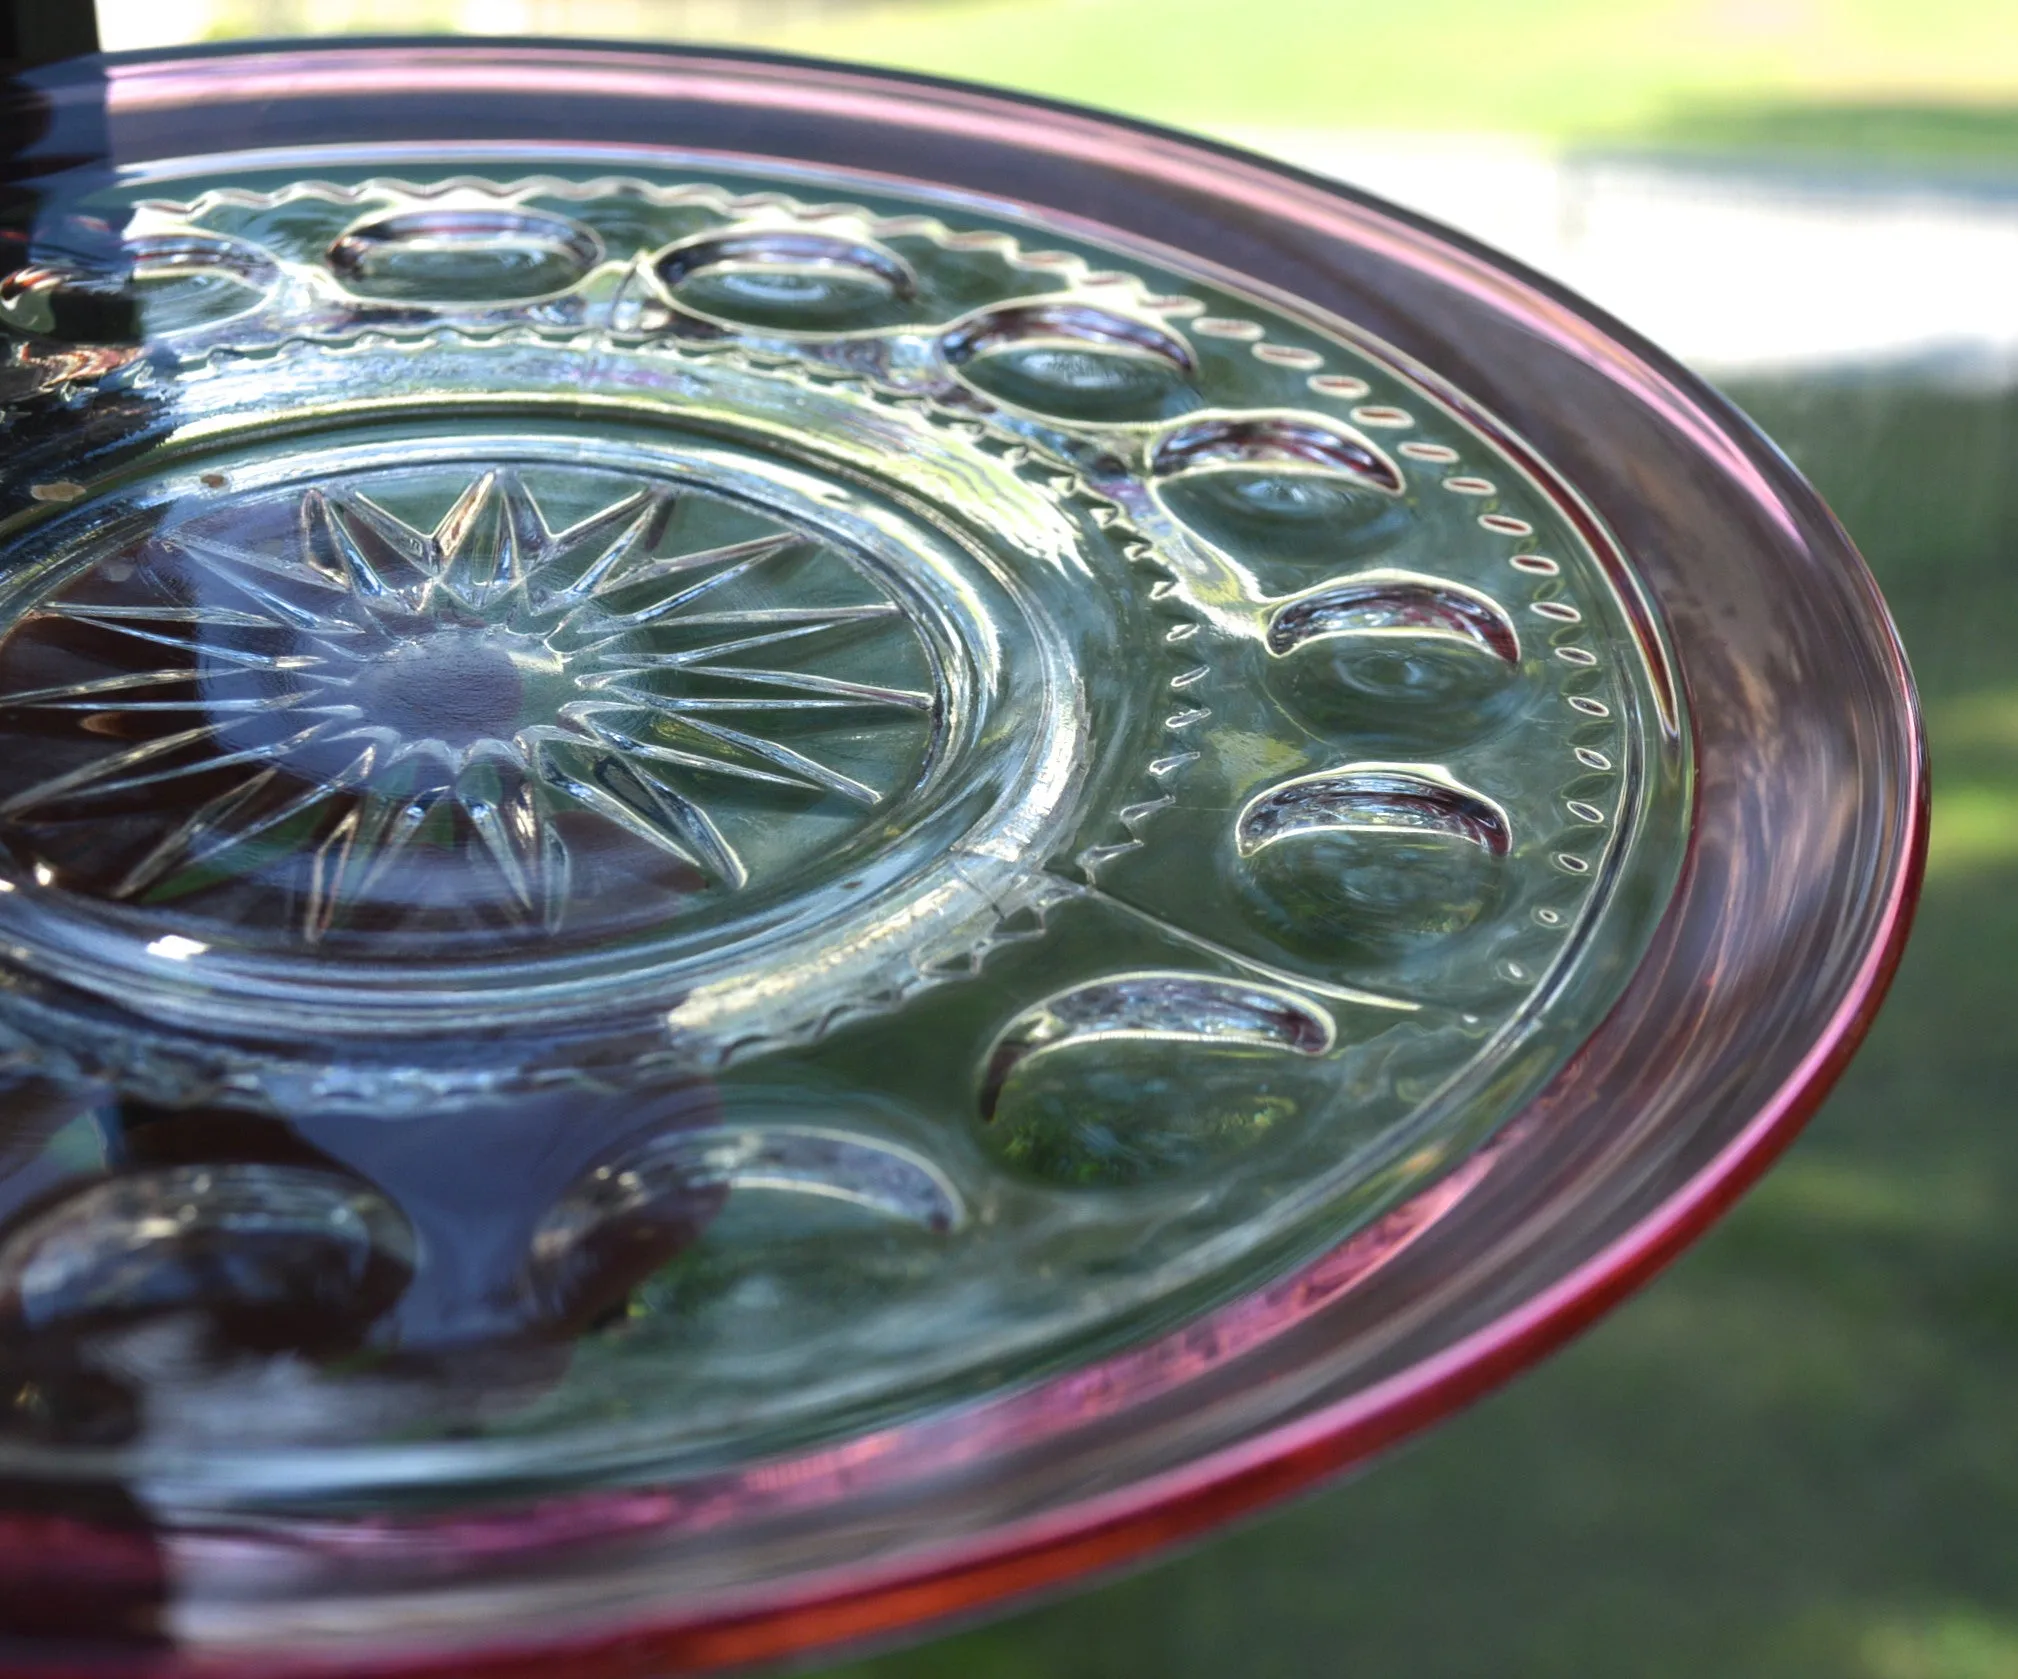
[783,847]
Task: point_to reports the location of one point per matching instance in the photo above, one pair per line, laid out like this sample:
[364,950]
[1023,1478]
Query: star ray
[601,734]
[829,693]
[743,644]
[528,822]
[783,757]
[221,556]
[201,823]
[432,750]
[94,687]
[229,566]
[632,524]
[810,682]
[523,537]
[647,807]
[164,613]
[328,869]
[369,547]
[794,615]
[398,823]
[212,832]
[734,562]
[679,706]
[471,548]
[454,534]
[90,780]
[209,649]
[265,704]
[504,809]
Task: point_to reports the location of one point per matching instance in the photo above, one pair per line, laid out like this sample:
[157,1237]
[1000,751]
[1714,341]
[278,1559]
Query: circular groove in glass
[304,665]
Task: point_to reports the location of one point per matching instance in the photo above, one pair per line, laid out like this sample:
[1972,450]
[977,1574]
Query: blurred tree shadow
[1902,134]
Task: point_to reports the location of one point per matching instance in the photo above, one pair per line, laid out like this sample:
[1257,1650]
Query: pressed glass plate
[782,847]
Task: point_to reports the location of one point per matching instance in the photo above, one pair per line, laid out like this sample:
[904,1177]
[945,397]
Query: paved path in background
[1735,271]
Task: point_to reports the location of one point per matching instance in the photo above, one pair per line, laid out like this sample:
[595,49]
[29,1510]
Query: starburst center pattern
[329,709]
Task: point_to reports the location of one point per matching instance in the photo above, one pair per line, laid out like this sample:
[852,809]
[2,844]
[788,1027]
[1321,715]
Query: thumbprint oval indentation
[790,281]
[1393,648]
[632,1216]
[159,284]
[1369,855]
[464,254]
[1278,442]
[1140,1076]
[1389,602]
[1294,488]
[1072,361]
[272,1258]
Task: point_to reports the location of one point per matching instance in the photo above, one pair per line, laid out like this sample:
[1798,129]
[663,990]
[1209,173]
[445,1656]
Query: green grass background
[1564,68]
[1924,78]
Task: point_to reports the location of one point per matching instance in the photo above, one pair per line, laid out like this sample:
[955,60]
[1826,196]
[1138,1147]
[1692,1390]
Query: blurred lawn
[1796,1456]
[1568,68]
[1918,77]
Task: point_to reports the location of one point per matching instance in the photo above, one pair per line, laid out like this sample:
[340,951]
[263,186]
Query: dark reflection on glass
[79,1564]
